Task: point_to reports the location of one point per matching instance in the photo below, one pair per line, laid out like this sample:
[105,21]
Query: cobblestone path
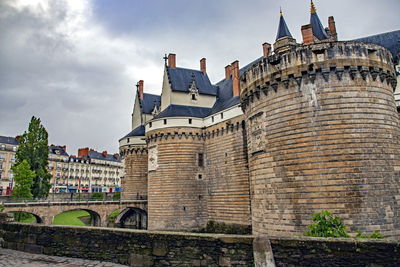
[16,258]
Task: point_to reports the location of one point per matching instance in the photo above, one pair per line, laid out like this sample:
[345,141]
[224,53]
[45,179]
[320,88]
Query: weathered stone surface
[326,143]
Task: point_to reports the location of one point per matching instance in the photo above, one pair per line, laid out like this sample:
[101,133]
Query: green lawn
[71,218]
[113,215]
[24,217]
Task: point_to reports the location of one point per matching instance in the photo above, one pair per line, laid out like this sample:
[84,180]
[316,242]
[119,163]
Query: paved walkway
[16,258]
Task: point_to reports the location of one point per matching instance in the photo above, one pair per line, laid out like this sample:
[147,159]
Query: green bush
[375,235]
[97,196]
[326,225]
[117,196]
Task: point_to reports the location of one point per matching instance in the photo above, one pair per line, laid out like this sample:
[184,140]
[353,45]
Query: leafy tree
[23,178]
[35,150]
[326,226]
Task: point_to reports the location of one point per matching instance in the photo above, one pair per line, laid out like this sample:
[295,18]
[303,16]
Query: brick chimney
[104,153]
[64,147]
[332,27]
[266,49]
[116,155]
[203,65]
[306,31]
[83,152]
[141,82]
[235,78]
[172,61]
[18,137]
[228,72]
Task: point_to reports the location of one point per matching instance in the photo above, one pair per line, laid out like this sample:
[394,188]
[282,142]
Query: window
[212,118]
[13,158]
[1,156]
[190,121]
[165,121]
[14,148]
[127,140]
[200,176]
[193,96]
[150,124]
[201,159]
[3,147]
[222,115]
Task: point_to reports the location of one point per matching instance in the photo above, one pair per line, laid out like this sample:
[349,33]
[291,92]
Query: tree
[23,178]
[35,150]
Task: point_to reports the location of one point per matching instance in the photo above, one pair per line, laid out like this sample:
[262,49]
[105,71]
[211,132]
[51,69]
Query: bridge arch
[37,217]
[95,218]
[132,217]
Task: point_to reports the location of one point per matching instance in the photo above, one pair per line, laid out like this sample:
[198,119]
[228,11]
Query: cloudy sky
[74,63]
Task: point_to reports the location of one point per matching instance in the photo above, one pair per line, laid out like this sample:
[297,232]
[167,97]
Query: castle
[305,127]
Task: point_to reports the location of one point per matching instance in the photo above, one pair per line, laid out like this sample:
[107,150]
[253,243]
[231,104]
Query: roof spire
[313,9]
[280,11]
[282,29]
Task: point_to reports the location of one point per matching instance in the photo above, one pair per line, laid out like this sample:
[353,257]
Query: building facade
[89,172]
[8,147]
[305,127]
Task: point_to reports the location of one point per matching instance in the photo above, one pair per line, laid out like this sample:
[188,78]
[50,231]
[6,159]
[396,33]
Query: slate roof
[54,149]
[225,97]
[148,102]
[317,28]
[98,155]
[282,29]
[389,40]
[138,131]
[181,80]
[9,140]
[183,111]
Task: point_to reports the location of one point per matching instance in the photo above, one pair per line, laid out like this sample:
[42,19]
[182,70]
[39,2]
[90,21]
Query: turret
[284,40]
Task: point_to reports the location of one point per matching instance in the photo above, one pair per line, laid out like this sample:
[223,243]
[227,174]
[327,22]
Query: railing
[6,202]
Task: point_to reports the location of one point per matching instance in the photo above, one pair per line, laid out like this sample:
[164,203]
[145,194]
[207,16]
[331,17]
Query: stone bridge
[134,211]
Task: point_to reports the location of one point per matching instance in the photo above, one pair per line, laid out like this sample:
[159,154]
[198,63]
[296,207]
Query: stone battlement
[317,61]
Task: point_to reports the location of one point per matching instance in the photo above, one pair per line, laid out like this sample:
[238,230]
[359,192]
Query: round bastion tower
[323,133]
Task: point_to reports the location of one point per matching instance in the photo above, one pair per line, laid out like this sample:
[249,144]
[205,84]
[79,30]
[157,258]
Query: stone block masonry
[130,247]
[152,248]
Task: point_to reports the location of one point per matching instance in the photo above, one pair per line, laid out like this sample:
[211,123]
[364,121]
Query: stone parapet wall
[226,172]
[134,184]
[323,133]
[131,247]
[152,248]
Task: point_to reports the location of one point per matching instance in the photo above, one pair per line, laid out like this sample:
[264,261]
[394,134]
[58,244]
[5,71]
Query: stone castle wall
[226,172]
[323,133]
[176,195]
[134,183]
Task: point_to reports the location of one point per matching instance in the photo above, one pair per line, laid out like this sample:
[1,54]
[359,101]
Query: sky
[74,64]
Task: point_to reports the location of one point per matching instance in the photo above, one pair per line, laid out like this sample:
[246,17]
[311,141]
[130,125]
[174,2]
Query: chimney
[172,61]
[116,155]
[266,49]
[228,72]
[141,89]
[18,137]
[235,78]
[83,152]
[104,153]
[203,65]
[306,31]
[332,27]
[64,147]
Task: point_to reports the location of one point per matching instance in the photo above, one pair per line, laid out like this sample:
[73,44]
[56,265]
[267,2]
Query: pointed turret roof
[317,28]
[283,30]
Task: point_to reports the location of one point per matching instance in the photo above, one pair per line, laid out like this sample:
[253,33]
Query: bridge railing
[44,201]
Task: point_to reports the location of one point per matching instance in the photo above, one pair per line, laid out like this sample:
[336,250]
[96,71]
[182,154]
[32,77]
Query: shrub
[117,196]
[97,196]
[375,235]
[326,225]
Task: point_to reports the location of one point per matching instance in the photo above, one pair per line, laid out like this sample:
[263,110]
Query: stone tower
[323,133]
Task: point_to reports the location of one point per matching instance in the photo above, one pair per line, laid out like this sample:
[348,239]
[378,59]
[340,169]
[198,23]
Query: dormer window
[194,97]
[193,91]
